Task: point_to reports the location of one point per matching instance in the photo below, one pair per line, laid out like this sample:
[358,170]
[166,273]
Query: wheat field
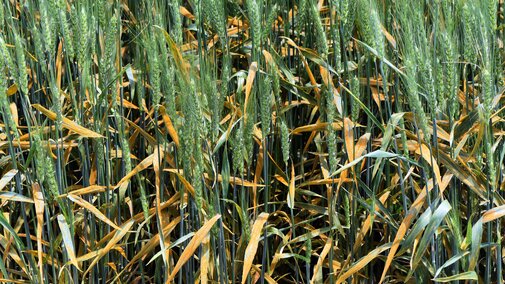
[252,141]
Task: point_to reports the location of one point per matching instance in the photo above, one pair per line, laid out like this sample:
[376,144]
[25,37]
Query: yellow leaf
[120,233]
[12,90]
[177,55]
[170,127]
[493,214]
[425,152]
[85,204]
[349,139]
[204,266]
[363,262]
[389,37]
[67,123]
[86,190]
[7,178]
[360,147]
[193,245]
[38,198]
[317,276]
[291,193]
[248,85]
[251,248]
[317,126]
[140,167]
[186,13]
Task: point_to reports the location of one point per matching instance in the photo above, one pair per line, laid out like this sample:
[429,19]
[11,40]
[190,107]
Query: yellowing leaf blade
[7,178]
[291,193]
[193,245]
[252,247]
[67,123]
[88,206]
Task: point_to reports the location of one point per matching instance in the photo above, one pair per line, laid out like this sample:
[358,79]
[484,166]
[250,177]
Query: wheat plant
[252,141]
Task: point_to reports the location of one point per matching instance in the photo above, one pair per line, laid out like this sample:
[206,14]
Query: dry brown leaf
[146,135]
[13,196]
[268,278]
[181,64]
[407,220]
[157,161]
[268,57]
[257,175]
[185,182]
[153,242]
[235,181]
[126,103]
[325,181]
[367,224]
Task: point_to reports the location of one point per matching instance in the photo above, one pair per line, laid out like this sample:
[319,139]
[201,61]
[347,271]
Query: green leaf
[8,227]
[374,52]
[418,227]
[435,221]
[374,154]
[364,108]
[225,172]
[469,275]
[450,262]
[476,240]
